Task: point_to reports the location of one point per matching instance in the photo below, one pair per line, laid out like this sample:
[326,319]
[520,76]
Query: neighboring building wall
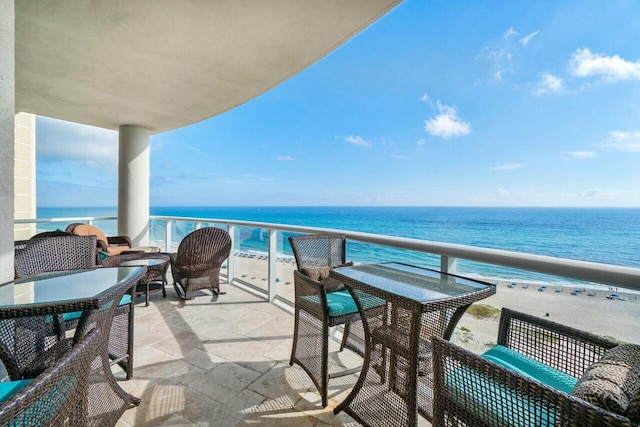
[25,174]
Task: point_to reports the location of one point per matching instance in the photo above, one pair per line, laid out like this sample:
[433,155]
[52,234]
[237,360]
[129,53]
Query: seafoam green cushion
[8,389]
[76,314]
[504,401]
[340,303]
[528,367]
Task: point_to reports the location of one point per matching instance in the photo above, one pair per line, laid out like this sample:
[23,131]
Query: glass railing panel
[251,256]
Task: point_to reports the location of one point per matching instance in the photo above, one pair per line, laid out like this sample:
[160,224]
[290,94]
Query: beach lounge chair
[540,373]
[320,303]
[197,263]
[112,245]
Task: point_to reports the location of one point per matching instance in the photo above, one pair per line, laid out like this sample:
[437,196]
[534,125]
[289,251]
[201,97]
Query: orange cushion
[90,230]
[117,250]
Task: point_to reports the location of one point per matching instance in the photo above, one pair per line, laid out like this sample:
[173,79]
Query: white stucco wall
[7,124]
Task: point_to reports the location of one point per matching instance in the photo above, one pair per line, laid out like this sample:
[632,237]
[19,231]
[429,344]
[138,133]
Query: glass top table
[416,283]
[81,288]
[401,308]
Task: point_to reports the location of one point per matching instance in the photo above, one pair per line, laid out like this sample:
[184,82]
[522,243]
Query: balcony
[223,360]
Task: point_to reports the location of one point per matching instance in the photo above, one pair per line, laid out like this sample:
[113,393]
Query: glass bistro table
[396,382]
[32,334]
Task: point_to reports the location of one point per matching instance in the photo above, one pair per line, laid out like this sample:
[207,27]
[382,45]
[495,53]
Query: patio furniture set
[68,317]
[540,373]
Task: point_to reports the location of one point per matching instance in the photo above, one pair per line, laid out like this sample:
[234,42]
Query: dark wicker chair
[61,253]
[312,318]
[470,390]
[39,255]
[56,397]
[113,245]
[197,263]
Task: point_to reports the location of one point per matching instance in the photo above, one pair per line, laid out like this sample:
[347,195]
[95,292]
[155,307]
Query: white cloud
[510,32]
[548,84]
[447,124]
[583,63]
[624,141]
[285,158]
[582,155]
[421,141]
[508,167]
[526,39]
[357,140]
[59,140]
[425,98]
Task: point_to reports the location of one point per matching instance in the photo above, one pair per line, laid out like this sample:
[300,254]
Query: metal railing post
[231,262]
[273,253]
[448,264]
[198,225]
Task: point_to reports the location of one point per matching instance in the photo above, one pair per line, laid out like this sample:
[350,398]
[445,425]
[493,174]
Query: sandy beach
[597,314]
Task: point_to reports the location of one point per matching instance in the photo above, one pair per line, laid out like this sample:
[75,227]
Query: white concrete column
[7,136]
[133,184]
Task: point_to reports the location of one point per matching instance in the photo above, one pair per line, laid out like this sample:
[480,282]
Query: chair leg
[296,316]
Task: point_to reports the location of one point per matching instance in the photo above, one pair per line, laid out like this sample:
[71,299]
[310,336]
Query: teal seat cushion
[8,389]
[528,367]
[76,314]
[493,402]
[103,255]
[340,303]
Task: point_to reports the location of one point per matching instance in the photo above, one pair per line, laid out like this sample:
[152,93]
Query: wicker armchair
[470,390]
[197,263]
[314,315]
[113,245]
[44,254]
[56,397]
[61,253]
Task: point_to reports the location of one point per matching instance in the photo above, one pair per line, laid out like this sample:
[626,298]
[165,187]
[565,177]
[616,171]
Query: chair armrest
[119,240]
[310,295]
[567,349]
[474,391]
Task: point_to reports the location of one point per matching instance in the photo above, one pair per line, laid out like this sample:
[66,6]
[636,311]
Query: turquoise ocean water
[592,234]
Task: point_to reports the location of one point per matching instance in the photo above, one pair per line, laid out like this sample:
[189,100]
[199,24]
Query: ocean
[607,235]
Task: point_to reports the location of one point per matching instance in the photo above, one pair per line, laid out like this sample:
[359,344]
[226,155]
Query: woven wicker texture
[197,263]
[397,379]
[310,347]
[63,253]
[31,344]
[472,391]
[58,396]
[156,274]
[54,254]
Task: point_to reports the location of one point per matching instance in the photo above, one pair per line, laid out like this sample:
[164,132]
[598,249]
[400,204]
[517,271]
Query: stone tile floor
[224,361]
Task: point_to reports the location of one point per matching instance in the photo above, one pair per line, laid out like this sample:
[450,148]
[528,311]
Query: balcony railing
[449,254]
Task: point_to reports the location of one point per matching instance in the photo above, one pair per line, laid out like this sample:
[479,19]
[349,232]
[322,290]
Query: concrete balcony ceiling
[163,64]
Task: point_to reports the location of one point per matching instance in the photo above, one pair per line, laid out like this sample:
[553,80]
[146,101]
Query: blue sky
[466,103]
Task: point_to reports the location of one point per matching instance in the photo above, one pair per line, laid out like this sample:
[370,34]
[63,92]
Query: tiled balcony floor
[224,361]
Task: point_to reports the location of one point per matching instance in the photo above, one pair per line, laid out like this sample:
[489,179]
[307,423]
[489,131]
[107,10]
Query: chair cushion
[8,389]
[126,299]
[531,368]
[103,255]
[316,273]
[89,230]
[613,382]
[340,303]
